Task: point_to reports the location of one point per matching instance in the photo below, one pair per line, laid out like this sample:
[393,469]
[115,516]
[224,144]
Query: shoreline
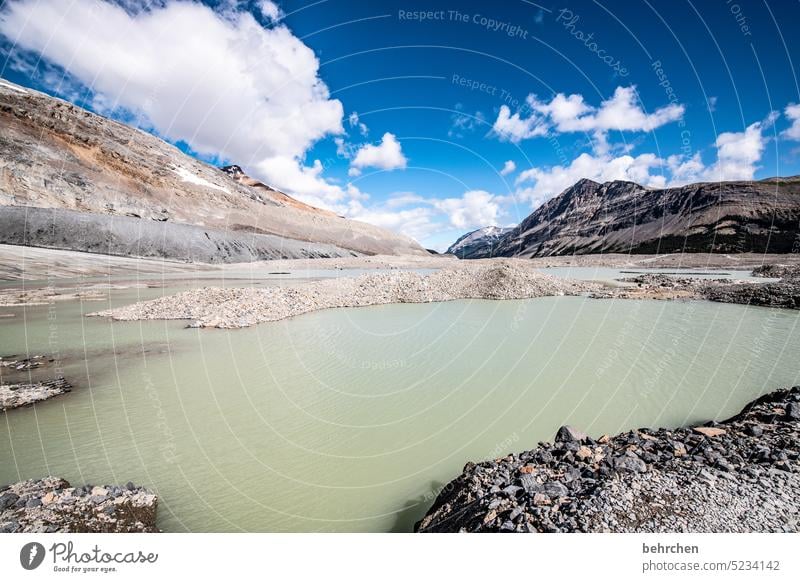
[52,505]
[498,279]
[233,308]
[739,475]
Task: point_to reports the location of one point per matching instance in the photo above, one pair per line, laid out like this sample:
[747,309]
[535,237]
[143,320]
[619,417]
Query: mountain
[73,179]
[624,217]
[478,244]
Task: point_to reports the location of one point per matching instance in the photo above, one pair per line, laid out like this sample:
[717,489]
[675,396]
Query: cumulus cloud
[546,183]
[515,128]
[422,218]
[570,113]
[792,113]
[418,222]
[387,155]
[508,168]
[473,209]
[220,82]
[737,157]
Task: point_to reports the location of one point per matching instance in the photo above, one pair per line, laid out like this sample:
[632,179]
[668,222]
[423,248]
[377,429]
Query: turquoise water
[351,419]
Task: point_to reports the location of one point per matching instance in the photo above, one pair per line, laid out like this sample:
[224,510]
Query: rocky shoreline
[740,475]
[783,293]
[52,505]
[18,395]
[243,307]
[499,279]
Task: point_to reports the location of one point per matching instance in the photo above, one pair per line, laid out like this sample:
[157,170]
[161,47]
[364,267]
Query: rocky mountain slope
[478,244]
[57,156]
[624,217]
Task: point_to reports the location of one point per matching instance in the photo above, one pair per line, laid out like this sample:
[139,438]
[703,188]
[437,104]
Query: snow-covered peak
[478,243]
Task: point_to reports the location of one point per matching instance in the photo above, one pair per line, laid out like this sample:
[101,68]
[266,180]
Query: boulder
[568,433]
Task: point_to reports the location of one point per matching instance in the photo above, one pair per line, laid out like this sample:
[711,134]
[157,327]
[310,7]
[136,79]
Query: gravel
[243,307]
[52,505]
[17,395]
[742,475]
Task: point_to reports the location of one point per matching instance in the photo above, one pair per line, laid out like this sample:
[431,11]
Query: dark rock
[7,499]
[554,489]
[570,434]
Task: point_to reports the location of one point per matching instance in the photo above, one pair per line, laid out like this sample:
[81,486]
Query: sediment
[52,505]
[783,293]
[22,394]
[243,307]
[740,475]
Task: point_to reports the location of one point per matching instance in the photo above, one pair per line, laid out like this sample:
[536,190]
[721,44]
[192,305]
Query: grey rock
[629,463]
[7,499]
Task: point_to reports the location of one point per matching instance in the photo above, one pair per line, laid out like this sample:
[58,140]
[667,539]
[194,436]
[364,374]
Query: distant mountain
[478,244]
[72,179]
[624,217]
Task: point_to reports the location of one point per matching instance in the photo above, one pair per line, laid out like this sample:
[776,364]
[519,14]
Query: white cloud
[306,183]
[426,219]
[566,114]
[388,155]
[515,128]
[218,81]
[508,168]
[269,10]
[738,155]
[474,209]
[549,182]
[355,122]
[792,113]
[418,222]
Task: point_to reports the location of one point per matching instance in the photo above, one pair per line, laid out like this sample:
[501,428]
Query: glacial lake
[352,419]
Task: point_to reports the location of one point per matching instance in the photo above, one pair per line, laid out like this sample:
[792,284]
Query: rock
[51,505]
[793,411]
[570,434]
[529,484]
[584,453]
[630,463]
[745,478]
[709,431]
[554,489]
[7,499]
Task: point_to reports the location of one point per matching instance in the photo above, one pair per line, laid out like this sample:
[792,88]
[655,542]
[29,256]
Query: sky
[426,117]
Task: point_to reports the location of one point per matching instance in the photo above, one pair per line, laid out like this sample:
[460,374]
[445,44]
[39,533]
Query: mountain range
[76,180]
[625,217]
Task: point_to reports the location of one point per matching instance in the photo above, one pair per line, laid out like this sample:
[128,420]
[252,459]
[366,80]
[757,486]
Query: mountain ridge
[55,155]
[625,217]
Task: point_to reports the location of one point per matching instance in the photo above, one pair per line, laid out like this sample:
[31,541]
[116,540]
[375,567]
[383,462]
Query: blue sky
[433,118]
